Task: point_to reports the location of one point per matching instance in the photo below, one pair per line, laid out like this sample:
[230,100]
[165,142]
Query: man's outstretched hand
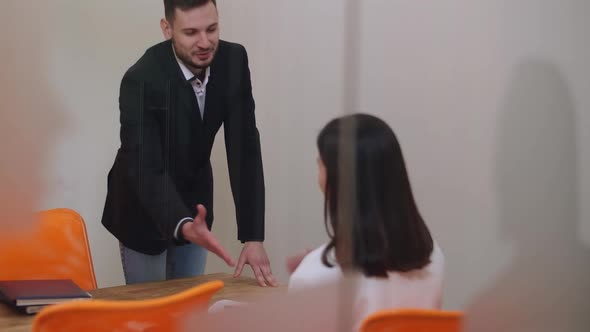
[198,233]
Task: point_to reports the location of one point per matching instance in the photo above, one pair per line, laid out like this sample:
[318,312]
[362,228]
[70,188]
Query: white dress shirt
[199,87]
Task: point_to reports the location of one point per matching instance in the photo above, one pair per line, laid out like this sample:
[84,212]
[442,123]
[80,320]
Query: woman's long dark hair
[387,232]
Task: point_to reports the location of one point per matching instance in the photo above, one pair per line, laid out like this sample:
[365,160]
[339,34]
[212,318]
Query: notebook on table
[30,296]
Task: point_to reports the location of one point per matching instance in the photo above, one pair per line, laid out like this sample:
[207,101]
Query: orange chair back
[413,320]
[169,313]
[55,247]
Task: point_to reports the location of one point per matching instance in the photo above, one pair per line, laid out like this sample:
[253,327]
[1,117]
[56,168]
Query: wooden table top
[238,289]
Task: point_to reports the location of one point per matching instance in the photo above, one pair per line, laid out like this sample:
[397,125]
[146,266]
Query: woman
[375,229]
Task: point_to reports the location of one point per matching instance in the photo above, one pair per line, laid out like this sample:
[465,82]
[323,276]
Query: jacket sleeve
[244,156]
[145,131]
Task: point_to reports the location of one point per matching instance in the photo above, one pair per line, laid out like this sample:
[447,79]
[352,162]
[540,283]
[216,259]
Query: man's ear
[166,28]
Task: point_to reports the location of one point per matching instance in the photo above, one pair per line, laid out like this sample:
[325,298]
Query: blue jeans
[175,262]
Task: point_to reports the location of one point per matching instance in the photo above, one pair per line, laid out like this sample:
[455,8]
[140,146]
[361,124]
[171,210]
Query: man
[172,103]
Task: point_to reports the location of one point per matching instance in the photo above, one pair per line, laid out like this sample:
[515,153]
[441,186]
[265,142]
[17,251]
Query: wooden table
[238,289]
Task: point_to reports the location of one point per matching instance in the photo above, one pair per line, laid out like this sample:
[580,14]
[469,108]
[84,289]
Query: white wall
[489,100]
[69,58]
[297,77]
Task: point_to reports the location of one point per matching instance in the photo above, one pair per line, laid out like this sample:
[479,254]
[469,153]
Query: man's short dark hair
[171,5]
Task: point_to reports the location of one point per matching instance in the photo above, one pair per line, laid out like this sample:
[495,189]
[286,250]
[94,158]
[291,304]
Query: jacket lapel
[211,99]
[186,101]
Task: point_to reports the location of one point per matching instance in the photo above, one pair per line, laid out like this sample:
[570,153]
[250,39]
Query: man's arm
[144,157]
[244,158]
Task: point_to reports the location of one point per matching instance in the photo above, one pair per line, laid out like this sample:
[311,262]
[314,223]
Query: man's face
[195,35]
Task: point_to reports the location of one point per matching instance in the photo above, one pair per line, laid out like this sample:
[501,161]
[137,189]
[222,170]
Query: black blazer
[162,168]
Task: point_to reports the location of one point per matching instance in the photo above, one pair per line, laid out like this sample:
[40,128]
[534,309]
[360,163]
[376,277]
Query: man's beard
[186,59]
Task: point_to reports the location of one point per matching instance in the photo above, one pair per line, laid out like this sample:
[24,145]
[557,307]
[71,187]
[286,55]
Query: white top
[415,289]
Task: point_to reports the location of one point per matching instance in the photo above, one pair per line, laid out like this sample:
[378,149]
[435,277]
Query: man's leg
[138,267]
[185,261]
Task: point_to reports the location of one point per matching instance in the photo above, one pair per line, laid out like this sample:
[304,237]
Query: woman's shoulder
[316,253]
[312,271]
[313,260]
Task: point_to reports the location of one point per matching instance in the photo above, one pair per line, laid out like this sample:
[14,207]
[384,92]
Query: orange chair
[169,313]
[413,320]
[55,247]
